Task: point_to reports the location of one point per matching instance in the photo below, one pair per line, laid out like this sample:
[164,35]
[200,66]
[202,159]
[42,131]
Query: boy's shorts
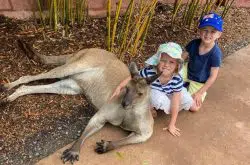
[193,86]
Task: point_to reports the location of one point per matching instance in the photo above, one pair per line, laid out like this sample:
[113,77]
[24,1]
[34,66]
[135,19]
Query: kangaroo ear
[133,69]
[152,78]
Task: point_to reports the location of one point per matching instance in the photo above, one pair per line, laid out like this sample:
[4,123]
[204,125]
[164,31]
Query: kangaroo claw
[69,155]
[3,102]
[102,147]
[2,88]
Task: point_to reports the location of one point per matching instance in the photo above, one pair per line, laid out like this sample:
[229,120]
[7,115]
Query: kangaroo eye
[140,93]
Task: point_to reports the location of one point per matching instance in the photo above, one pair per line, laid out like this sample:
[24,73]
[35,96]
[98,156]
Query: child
[204,59]
[167,92]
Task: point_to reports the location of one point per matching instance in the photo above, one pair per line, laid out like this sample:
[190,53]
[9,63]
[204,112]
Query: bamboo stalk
[143,27]
[64,12]
[177,5]
[55,15]
[83,11]
[220,2]
[41,13]
[147,27]
[227,7]
[139,34]
[115,23]
[120,35]
[51,14]
[77,12]
[126,30]
[193,13]
[66,27]
[185,12]
[108,24]
[140,29]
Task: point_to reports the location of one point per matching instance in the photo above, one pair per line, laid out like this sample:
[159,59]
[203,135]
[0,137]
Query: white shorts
[161,101]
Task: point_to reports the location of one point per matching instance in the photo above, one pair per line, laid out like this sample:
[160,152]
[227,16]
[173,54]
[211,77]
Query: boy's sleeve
[216,58]
[189,45]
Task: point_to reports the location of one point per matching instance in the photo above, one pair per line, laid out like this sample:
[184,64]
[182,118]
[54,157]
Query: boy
[204,59]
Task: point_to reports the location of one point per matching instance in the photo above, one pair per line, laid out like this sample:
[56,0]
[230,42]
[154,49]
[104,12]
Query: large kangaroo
[96,73]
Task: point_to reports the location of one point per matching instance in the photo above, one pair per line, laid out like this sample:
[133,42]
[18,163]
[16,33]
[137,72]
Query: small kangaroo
[95,73]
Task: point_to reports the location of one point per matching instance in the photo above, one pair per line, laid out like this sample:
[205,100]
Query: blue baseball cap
[212,19]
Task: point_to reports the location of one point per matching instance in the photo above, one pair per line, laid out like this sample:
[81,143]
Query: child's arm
[198,95]
[185,55]
[175,103]
[119,87]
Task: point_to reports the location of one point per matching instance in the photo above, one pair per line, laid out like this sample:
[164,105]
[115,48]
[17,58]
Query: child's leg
[193,88]
[186,100]
[160,101]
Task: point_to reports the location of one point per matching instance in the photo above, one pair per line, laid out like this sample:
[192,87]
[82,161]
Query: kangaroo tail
[42,59]
[29,51]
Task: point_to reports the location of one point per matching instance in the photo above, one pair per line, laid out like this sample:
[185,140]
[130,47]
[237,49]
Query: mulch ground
[35,126]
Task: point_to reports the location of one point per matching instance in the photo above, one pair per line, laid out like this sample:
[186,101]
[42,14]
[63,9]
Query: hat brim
[210,24]
[155,59]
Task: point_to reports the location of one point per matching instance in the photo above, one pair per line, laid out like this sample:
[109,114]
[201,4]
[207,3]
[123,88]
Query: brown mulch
[34,126]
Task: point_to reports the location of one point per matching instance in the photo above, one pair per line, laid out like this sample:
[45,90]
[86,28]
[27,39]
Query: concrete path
[217,135]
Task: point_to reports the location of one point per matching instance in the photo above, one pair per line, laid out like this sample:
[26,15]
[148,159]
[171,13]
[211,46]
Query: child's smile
[209,34]
[167,65]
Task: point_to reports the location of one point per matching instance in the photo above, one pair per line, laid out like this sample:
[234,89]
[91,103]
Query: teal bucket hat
[172,49]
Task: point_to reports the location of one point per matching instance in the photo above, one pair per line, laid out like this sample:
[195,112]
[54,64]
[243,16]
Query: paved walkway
[218,135]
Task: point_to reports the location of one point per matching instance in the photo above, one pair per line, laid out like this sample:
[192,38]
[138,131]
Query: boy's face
[167,65]
[209,34]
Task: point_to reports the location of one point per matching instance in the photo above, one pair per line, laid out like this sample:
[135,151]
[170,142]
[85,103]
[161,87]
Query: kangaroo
[95,73]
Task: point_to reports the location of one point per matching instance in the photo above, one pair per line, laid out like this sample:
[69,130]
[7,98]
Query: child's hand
[116,93]
[173,130]
[197,99]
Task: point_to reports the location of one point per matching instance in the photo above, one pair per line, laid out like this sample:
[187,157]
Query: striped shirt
[174,85]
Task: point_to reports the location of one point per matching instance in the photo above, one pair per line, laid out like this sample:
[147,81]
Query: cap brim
[210,24]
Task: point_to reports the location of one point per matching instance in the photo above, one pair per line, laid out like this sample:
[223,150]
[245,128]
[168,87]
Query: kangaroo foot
[3,88]
[70,155]
[3,102]
[103,147]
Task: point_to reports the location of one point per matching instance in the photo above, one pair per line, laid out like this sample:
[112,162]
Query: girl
[167,92]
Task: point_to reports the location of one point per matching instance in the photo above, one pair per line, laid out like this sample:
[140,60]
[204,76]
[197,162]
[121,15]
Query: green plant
[228,5]
[129,35]
[194,9]
[177,4]
[64,12]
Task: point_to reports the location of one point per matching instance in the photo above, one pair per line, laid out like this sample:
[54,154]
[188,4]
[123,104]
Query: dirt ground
[35,126]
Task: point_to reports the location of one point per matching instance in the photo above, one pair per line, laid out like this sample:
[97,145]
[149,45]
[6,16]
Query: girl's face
[167,65]
[209,34]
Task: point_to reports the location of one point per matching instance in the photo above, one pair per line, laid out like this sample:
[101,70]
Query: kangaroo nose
[125,104]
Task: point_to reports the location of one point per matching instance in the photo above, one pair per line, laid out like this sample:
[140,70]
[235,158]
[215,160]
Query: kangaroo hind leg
[67,86]
[58,72]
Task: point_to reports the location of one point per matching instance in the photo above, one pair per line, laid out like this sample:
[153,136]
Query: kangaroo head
[138,87]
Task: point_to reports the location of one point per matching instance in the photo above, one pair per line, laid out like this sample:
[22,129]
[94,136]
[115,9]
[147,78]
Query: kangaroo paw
[70,155]
[3,88]
[3,102]
[103,147]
